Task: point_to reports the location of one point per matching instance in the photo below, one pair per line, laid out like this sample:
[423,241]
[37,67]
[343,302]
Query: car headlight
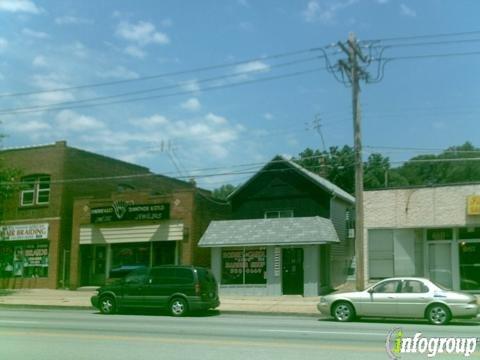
[323,300]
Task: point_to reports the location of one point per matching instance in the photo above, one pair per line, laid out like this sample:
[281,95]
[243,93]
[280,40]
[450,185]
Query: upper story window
[35,190]
[273,214]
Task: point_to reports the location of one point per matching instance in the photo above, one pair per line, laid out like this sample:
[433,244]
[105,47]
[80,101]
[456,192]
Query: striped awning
[171,230]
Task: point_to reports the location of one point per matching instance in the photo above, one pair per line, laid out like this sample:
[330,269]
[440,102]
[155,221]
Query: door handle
[391,297]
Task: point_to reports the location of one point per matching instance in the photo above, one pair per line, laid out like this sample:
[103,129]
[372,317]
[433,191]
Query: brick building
[36,248]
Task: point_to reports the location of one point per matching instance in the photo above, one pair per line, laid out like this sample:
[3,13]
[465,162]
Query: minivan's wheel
[438,314]
[107,305]
[178,306]
[343,311]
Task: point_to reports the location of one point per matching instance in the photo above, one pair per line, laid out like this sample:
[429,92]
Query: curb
[229,312]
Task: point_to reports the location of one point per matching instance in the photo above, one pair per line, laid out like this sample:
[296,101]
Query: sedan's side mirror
[370,291]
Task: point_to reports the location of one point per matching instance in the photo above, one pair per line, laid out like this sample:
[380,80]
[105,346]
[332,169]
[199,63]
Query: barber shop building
[288,234]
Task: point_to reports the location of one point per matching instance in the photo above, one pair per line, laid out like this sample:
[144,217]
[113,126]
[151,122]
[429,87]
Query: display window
[244,266]
[25,260]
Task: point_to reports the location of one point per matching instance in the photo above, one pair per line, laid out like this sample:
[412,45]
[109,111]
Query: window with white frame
[35,190]
[274,214]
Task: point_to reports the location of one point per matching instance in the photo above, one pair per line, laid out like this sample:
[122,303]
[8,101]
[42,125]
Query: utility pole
[355,73]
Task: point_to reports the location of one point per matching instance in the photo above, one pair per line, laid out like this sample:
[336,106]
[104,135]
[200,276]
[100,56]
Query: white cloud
[324,12]
[79,49]
[35,34]
[252,66]
[268,116]
[191,85]
[31,126]
[406,11]
[210,134]
[51,81]
[71,121]
[215,119]
[151,122]
[383,1]
[191,104]
[19,6]
[3,43]
[119,72]
[135,51]
[72,20]
[142,33]
[39,61]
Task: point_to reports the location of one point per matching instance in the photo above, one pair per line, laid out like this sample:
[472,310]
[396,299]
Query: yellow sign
[473,207]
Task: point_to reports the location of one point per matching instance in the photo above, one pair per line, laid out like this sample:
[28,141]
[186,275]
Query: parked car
[179,289]
[404,297]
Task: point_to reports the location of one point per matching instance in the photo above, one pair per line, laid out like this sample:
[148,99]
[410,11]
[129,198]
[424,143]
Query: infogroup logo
[397,343]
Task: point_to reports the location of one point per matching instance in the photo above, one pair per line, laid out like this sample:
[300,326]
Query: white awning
[171,230]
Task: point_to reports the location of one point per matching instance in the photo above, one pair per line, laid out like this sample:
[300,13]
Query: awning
[170,230]
[263,232]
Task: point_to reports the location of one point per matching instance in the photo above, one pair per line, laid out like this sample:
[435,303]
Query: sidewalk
[80,299]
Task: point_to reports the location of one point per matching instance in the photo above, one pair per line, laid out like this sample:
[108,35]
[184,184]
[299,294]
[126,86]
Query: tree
[223,191]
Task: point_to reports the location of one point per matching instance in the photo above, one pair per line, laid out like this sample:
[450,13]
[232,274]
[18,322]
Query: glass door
[440,263]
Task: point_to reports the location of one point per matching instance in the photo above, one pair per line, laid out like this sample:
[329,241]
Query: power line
[433,56]
[211,88]
[428,36]
[166,87]
[428,43]
[168,74]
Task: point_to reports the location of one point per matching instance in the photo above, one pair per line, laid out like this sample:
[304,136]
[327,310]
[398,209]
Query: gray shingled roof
[282,231]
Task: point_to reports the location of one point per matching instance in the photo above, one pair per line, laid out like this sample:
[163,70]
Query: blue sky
[420,103]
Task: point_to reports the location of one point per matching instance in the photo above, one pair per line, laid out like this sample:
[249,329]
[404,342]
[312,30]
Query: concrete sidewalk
[80,299]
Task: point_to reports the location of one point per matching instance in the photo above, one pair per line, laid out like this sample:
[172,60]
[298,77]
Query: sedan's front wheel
[107,305]
[438,314]
[343,311]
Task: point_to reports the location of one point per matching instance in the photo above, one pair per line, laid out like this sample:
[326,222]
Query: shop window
[164,253]
[274,214]
[469,233]
[244,266]
[24,260]
[130,254]
[469,259]
[35,190]
[394,253]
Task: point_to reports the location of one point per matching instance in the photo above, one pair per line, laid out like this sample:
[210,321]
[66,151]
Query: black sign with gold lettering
[127,211]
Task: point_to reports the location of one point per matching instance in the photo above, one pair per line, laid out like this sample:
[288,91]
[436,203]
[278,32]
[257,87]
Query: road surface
[33,334]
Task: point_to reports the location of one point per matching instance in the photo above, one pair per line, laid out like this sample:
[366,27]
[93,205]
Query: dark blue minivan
[179,289]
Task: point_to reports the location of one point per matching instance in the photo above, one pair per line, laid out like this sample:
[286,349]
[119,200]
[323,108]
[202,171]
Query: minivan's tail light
[198,289]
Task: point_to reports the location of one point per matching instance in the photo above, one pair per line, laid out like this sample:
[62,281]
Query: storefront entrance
[469,261]
[292,271]
[93,264]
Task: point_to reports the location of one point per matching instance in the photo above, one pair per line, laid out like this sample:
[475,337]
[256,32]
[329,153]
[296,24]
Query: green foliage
[223,191]
[338,166]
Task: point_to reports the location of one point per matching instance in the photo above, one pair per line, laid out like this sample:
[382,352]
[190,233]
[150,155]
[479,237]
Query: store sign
[127,211]
[473,206]
[24,232]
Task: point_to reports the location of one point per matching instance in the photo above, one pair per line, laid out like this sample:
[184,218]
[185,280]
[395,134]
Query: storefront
[127,235]
[24,253]
[431,232]
[271,257]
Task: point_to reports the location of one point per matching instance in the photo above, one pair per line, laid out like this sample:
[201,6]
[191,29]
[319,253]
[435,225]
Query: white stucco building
[432,232]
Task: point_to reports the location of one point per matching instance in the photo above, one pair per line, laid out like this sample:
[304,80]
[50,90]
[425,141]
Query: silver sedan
[404,297]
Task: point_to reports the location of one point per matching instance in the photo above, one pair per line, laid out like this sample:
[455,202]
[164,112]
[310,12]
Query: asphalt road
[67,334]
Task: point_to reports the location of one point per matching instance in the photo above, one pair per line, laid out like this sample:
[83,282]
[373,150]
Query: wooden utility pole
[355,74]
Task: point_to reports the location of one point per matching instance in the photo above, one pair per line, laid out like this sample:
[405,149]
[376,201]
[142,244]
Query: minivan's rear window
[205,275]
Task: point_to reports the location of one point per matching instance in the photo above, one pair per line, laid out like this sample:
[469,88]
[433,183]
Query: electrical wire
[163,75]
[428,36]
[144,91]
[211,88]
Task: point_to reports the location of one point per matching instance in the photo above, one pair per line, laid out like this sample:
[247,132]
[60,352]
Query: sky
[214,89]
